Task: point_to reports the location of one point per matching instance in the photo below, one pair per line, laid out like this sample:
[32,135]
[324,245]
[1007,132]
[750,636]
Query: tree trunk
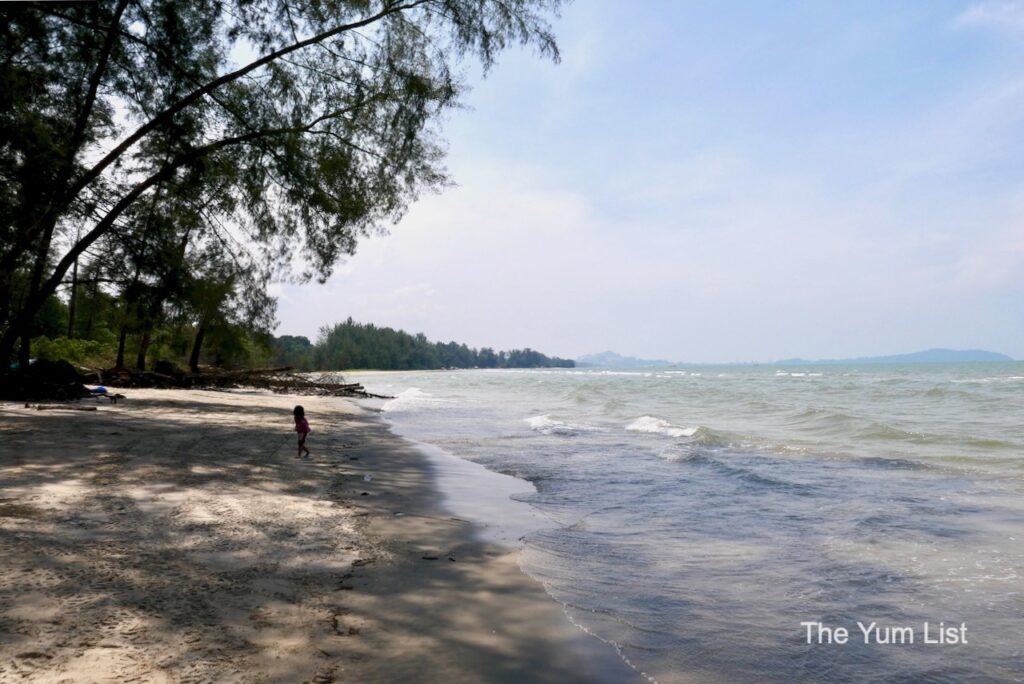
[25,350]
[122,338]
[71,301]
[35,297]
[140,360]
[18,335]
[94,296]
[6,292]
[7,341]
[193,361]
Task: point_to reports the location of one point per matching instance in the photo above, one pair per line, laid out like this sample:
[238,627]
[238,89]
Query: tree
[357,345]
[321,135]
[225,296]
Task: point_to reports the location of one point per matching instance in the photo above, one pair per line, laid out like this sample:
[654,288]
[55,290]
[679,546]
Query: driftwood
[62,407]
[48,381]
[282,380]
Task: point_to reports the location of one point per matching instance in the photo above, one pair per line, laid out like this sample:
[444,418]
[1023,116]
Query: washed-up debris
[282,380]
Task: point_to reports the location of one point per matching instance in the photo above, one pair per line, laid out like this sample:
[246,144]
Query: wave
[413,399]
[989,443]
[546,425]
[816,415]
[662,427]
[824,422]
[718,461]
[968,394]
[888,433]
[938,392]
[997,379]
[892,463]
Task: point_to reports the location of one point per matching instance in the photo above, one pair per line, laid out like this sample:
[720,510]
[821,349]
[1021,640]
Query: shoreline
[502,612]
[175,536]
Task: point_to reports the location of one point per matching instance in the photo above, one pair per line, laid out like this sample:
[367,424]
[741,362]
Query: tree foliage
[276,133]
[358,345]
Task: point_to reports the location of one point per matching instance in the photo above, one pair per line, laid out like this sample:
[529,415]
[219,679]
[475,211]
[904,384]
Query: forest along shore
[175,537]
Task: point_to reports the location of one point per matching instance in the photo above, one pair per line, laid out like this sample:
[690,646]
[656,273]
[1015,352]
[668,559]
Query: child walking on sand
[301,427]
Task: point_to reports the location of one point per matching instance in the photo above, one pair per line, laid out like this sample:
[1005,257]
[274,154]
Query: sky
[721,182]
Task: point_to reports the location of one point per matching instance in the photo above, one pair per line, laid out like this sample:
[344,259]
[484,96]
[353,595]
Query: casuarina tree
[316,121]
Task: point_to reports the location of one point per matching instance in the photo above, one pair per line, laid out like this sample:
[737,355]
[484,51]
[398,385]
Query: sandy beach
[174,537]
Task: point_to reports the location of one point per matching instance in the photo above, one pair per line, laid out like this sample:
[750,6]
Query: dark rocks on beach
[59,380]
[43,379]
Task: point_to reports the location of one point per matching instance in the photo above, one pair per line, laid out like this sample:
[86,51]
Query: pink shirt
[302,426]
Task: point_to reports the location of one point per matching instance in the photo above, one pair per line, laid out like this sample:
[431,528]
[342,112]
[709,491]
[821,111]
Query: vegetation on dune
[162,162]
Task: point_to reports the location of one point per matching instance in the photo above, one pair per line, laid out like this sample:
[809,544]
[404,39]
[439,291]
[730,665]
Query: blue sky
[722,181]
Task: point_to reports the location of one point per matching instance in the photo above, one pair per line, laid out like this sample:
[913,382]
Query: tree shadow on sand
[179,539]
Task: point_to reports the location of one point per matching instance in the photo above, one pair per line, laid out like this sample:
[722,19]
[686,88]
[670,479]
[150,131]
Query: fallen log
[63,407]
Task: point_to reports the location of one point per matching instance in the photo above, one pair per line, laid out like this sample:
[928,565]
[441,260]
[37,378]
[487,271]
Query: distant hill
[610,359]
[927,356]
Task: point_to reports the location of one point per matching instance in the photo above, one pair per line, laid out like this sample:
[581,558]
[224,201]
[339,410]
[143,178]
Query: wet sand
[175,537]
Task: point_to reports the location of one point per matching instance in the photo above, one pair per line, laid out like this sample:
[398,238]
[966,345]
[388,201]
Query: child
[301,427]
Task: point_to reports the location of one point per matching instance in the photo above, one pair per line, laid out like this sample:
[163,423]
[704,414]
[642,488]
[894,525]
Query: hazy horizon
[798,359]
[721,182]
[687,362]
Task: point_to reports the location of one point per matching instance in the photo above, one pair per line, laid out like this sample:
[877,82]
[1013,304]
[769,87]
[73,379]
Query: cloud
[668,228]
[993,261]
[1005,15]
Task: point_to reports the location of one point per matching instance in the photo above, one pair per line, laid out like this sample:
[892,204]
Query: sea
[725,524]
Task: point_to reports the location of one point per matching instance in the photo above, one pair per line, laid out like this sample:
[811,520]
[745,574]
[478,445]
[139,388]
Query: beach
[175,537]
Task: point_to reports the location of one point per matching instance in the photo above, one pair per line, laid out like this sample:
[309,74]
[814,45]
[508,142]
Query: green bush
[79,352]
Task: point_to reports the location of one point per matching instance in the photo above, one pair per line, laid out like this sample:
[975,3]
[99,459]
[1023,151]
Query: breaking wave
[413,399]
[546,425]
[661,427]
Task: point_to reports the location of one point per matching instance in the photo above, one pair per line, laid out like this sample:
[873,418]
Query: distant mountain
[610,359]
[927,356]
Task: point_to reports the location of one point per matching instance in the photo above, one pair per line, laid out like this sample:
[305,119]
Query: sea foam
[661,427]
[546,425]
[412,399]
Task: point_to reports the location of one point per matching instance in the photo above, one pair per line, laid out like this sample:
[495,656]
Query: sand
[174,537]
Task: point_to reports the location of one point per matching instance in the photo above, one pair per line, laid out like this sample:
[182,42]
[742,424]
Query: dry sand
[175,537]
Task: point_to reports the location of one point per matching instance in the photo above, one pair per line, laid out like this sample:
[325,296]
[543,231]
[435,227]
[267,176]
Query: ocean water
[700,515]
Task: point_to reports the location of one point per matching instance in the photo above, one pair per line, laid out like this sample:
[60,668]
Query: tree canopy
[363,345]
[174,146]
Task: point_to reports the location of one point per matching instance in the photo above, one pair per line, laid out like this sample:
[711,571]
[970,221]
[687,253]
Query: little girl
[301,427]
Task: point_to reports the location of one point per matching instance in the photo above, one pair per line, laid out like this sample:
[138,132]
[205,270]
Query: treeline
[364,345]
[102,331]
[99,337]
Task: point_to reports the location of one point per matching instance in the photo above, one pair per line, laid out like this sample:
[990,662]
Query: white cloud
[509,259]
[829,235]
[1006,15]
[994,259]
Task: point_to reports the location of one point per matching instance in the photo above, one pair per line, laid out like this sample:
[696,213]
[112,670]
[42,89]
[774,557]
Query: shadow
[175,537]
